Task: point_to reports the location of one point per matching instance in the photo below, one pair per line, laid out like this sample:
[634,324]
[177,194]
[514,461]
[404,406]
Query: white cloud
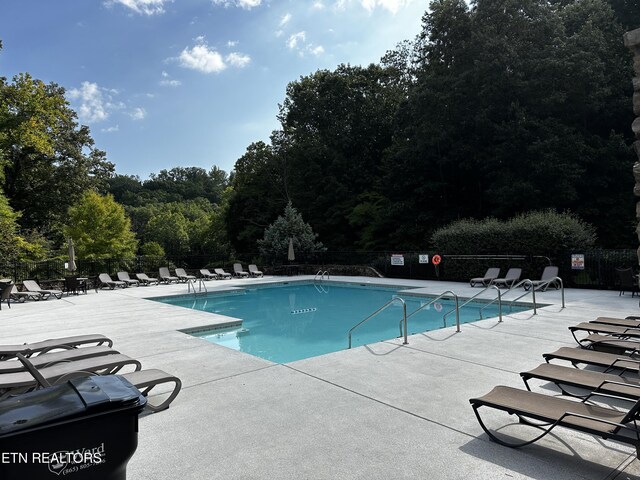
[205,59]
[138,113]
[200,57]
[168,82]
[94,106]
[143,7]
[279,33]
[391,5]
[246,4]
[285,19]
[296,39]
[318,6]
[238,59]
[232,43]
[298,42]
[114,128]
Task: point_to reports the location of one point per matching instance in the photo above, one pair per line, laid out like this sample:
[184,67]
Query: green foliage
[533,233]
[100,228]
[49,161]
[152,249]
[8,231]
[274,245]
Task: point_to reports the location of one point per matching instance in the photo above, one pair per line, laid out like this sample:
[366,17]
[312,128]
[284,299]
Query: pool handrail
[192,284]
[457,309]
[321,273]
[384,307]
[469,300]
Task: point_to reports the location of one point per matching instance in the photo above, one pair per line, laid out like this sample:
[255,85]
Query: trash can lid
[78,397]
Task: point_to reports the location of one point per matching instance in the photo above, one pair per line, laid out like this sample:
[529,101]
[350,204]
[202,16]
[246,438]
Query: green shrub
[544,233]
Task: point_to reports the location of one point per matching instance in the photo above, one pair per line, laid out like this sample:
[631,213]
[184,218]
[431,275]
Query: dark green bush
[545,233]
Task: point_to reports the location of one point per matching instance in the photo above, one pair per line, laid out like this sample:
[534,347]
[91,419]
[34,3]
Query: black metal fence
[594,269]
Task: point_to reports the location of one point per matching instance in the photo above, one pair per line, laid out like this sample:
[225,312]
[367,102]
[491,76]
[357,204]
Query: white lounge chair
[221,273]
[145,279]
[254,272]
[183,276]
[207,275]
[238,271]
[165,276]
[124,277]
[33,287]
[106,281]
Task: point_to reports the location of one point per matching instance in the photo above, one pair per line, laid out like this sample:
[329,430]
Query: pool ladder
[320,275]
[191,284]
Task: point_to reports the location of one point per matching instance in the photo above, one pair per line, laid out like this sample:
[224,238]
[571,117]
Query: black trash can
[86,428]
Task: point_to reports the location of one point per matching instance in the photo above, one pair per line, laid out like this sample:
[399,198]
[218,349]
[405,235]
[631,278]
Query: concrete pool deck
[381,411]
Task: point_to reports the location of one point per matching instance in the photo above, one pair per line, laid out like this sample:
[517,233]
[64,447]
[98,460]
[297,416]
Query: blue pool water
[290,322]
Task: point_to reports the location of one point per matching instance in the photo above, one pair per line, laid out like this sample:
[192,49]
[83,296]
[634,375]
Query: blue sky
[166,83]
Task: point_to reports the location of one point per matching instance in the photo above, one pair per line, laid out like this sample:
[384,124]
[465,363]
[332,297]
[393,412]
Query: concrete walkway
[381,411]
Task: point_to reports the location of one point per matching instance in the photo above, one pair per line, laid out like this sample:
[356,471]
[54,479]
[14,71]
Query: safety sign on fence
[423,258]
[397,259]
[577,261]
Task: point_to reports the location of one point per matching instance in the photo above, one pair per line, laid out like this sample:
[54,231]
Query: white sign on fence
[423,258]
[397,260]
[577,261]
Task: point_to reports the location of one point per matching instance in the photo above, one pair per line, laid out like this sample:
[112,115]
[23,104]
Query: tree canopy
[100,228]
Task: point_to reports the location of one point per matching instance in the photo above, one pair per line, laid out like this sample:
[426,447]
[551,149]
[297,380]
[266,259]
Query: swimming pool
[284,323]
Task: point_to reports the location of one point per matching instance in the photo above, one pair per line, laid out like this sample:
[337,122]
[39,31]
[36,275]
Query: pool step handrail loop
[469,300]
[201,286]
[439,297]
[499,299]
[543,287]
[320,275]
[381,309]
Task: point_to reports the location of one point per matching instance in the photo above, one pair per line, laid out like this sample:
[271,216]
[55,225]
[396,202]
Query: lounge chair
[585,356]
[165,276]
[238,271]
[549,273]
[124,277]
[33,287]
[51,358]
[558,411]
[583,379]
[207,275]
[106,281]
[621,322]
[19,382]
[615,330]
[143,380]
[18,296]
[509,280]
[183,276]
[44,346]
[611,344]
[489,276]
[146,280]
[221,273]
[254,272]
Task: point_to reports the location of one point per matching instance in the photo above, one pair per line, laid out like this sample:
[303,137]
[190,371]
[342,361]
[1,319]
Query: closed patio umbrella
[72,257]
[291,256]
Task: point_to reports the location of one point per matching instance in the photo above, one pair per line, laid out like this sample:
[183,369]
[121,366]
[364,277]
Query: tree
[275,243]
[100,228]
[171,231]
[49,161]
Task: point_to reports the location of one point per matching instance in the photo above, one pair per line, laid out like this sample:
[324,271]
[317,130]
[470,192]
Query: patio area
[382,411]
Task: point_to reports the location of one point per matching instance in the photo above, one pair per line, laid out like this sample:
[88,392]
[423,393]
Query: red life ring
[436,260]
